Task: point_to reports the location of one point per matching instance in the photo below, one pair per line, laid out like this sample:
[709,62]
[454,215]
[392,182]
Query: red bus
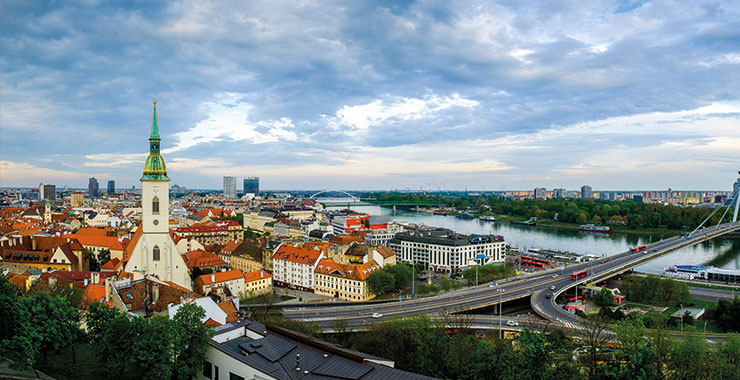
[578,275]
[529,264]
[571,299]
[540,261]
[638,249]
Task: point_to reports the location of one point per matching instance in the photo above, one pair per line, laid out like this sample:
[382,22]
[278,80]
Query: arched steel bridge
[335,191]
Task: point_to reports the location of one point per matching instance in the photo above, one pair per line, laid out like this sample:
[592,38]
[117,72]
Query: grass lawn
[712,286]
[87,366]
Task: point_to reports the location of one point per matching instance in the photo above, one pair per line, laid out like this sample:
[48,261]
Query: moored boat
[595,228]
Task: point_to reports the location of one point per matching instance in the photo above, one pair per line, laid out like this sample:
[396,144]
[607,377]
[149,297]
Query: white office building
[446,251]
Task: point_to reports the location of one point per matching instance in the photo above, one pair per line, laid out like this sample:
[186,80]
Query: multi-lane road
[538,286]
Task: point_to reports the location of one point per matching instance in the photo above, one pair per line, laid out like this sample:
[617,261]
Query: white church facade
[152,250]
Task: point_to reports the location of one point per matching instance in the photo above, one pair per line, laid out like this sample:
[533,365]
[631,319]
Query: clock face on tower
[155,189]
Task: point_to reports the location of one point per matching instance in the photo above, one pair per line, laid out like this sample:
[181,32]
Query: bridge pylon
[736,192]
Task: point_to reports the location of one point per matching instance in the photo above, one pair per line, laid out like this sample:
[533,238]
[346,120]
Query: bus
[530,262]
[578,275]
[638,249]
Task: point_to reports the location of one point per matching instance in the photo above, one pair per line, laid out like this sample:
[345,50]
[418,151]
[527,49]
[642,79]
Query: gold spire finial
[155,101]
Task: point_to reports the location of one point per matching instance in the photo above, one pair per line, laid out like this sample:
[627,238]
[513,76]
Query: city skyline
[628,96]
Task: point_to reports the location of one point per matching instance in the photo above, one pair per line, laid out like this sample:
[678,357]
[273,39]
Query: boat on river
[487,218]
[595,228]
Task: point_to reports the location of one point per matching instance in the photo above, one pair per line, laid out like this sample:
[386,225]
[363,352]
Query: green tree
[596,219]
[726,360]
[581,218]
[16,340]
[381,282]
[97,318]
[153,348]
[103,256]
[191,339]
[53,323]
[403,274]
[604,297]
[689,360]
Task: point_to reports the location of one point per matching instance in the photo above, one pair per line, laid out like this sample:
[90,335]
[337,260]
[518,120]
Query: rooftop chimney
[95,278]
[155,292]
[107,289]
[297,362]
[213,278]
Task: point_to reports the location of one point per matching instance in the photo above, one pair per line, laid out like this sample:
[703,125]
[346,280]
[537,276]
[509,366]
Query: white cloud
[364,116]
[25,174]
[114,159]
[228,119]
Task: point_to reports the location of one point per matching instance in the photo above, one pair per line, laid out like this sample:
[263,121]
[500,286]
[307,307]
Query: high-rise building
[587,192]
[111,187]
[93,188]
[558,193]
[47,192]
[77,199]
[229,187]
[154,252]
[252,185]
[540,192]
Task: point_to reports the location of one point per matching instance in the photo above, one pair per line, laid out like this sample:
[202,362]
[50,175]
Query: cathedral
[152,250]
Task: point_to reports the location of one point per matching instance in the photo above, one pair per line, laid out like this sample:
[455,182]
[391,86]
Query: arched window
[155,253]
[155,205]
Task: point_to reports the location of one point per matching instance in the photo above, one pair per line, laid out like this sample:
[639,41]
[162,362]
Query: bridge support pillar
[394,209]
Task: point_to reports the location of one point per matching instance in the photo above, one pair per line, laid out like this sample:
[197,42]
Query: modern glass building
[111,187]
[252,185]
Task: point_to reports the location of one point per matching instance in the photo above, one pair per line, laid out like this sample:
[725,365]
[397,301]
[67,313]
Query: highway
[537,286]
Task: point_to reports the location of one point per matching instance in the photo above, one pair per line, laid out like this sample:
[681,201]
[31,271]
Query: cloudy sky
[373,95]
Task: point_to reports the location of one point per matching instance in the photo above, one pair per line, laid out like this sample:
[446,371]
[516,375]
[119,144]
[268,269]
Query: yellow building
[257,282]
[346,282]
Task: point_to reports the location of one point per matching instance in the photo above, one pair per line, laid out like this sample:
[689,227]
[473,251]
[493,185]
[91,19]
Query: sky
[618,95]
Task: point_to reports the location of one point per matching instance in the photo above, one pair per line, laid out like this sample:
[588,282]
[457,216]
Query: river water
[720,252]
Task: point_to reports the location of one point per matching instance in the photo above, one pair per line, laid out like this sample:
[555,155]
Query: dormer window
[155,205]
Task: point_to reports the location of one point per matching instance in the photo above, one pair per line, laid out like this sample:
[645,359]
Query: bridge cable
[731,197]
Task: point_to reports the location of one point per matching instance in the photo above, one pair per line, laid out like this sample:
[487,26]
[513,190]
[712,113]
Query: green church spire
[154,169]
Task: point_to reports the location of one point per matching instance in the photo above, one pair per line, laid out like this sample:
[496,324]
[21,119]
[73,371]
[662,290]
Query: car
[377,315]
[512,323]
[548,296]
[552,287]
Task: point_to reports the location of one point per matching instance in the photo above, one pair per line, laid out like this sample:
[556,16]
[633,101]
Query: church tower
[154,252]
[155,185]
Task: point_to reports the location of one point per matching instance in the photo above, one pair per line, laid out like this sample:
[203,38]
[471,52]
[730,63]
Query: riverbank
[572,226]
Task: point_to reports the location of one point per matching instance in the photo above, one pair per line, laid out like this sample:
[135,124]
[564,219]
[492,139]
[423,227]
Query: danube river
[720,252]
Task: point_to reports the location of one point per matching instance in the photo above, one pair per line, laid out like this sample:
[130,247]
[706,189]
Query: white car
[377,315]
[512,323]
[552,287]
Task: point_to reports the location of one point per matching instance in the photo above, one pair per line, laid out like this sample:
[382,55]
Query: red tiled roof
[211,323]
[96,293]
[228,275]
[297,254]
[112,264]
[231,313]
[346,239]
[256,275]
[110,242]
[354,272]
[202,259]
